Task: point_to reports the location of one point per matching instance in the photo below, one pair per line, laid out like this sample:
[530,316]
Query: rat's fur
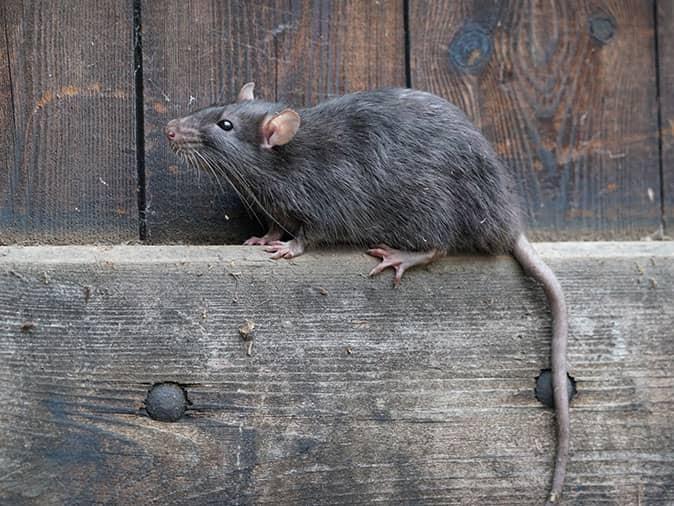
[397,167]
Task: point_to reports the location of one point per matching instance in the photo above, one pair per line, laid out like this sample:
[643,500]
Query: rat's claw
[281,253]
[285,249]
[397,267]
[399,274]
[278,250]
[381,265]
[378,252]
[255,241]
[272,235]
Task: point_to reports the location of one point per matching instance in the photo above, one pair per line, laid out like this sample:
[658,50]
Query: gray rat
[400,171]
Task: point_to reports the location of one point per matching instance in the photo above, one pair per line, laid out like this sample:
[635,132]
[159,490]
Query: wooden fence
[576,97]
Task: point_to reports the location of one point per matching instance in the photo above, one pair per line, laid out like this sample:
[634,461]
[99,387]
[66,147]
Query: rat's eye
[225,124]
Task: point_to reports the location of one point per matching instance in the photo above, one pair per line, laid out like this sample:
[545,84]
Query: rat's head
[231,135]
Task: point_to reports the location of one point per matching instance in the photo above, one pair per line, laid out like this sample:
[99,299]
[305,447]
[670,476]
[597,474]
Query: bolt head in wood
[543,389]
[166,402]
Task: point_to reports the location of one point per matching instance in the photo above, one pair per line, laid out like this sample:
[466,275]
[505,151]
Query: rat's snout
[181,132]
[172,130]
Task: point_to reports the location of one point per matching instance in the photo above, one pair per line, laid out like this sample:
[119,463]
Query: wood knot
[471,48]
[602,27]
[543,389]
[166,402]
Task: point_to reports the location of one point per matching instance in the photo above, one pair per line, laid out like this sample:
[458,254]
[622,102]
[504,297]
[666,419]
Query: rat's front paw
[272,235]
[255,241]
[285,249]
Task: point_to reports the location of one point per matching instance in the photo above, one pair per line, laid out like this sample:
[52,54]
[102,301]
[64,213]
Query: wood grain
[665,13]
[330,48]
[67,108]
[196,53]
[200,52]
[566,91]
[355,392]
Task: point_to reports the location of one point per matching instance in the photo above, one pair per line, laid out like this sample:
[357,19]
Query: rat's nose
[171,129]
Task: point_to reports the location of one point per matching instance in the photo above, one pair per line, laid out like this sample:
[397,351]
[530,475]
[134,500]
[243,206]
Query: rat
[401,172]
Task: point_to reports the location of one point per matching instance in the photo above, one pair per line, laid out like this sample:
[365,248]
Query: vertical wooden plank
[665,23]
[67,109]
[7,135]
[328,48]
[195,53]
[199,52]
[566,91]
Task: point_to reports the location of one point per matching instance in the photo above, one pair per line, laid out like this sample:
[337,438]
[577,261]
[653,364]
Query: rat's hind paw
[399,260]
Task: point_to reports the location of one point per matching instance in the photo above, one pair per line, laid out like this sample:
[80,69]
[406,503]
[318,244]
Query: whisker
[251,194]
[212,167]
[209,162]
[246,187]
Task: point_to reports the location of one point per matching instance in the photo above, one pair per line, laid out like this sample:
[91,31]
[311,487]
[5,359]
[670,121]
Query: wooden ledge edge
[141,254]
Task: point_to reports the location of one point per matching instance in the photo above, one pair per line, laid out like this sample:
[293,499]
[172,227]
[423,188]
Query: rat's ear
[280,128]
[246,92]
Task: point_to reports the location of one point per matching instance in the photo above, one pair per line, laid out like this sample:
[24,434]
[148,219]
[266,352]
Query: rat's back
[405,168]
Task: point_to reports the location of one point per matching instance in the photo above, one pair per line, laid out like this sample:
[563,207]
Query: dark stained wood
[665,13]
[566,91]
[355,392]
[196,53]
[330,48]
[199,52]
[7,131]
[67,149]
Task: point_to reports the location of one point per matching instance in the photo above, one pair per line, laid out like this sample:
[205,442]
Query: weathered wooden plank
[67,110]
[7,132]
[200,52]
[330,48]
[432,403]
[566,91]
[197,53]
[665,13]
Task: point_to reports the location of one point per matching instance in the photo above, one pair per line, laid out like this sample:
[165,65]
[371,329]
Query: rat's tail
[534,266]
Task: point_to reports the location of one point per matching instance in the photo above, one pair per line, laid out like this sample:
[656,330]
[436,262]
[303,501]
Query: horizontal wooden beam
[352,392]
